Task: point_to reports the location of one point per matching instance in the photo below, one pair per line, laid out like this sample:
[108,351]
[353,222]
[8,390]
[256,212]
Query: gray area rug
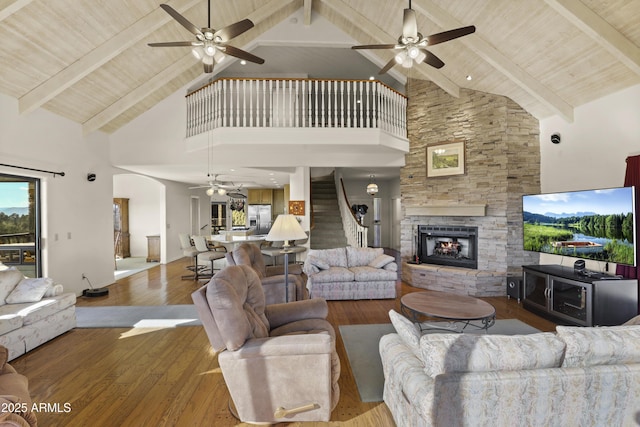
[152,316]
[361,343]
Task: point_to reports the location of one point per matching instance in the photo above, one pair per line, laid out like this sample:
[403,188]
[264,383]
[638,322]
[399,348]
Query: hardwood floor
[170,377]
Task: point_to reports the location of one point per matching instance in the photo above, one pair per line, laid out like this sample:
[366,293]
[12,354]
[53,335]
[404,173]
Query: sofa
[32,311]
[350,273]
[575,377]
[15,401]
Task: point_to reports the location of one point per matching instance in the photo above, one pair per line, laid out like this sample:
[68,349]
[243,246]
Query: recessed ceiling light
[372,78]
[469,77]
[243,62]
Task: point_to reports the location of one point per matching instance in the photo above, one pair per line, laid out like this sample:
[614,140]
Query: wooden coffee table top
[444,305]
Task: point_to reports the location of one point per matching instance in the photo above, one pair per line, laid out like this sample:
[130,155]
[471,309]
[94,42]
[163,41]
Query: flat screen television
[590,224]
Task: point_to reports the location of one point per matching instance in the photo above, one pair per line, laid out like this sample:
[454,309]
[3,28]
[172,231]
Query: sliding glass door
[20,224]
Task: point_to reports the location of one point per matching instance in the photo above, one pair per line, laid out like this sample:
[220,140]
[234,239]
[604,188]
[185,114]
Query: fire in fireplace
[448,245]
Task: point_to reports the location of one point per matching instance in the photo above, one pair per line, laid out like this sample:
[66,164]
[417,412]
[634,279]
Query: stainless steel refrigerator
[259,216]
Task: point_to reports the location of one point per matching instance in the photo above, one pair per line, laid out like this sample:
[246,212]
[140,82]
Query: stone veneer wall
[502,164]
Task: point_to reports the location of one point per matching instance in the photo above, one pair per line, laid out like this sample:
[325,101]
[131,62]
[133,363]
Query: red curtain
[632,177]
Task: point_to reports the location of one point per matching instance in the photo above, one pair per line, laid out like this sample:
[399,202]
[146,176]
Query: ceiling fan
[216,186]
[211,45]
[411,44]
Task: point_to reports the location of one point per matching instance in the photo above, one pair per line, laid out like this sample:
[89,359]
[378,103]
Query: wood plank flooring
[170,377]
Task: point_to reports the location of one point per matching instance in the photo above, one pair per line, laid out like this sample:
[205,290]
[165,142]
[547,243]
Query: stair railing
[355,232]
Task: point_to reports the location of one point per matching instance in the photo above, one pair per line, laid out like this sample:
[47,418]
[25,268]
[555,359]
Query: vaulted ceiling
[88,60]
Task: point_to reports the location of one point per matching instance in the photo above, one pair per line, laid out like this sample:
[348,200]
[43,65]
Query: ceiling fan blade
[375,46]
[233,30]
[409,25]
[450,35]
[239,53]
[432,60]
[388,66]
[236,195]
[175,44]
[182,20]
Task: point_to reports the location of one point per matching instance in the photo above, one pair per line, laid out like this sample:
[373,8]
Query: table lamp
[285,228]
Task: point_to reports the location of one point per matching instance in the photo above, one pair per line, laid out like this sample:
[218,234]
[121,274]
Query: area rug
[361,344]
[151,316]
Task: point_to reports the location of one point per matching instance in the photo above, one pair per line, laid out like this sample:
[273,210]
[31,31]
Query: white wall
[77,225]
[594,147]
[592,150]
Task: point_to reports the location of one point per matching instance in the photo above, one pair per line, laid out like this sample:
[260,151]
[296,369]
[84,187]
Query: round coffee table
[456,309]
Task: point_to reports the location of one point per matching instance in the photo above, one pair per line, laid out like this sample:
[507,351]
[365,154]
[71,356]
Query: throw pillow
[381,261]
[4,356]
[29,290]
[409,332]
[320,263]
[9,279]
[603,345]
[447,353]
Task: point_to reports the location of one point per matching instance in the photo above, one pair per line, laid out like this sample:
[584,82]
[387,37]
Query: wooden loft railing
[298,103]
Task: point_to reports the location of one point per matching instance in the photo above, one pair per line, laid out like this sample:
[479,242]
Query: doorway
[20,224]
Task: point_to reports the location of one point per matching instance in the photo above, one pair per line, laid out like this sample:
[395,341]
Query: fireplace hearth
[448,245]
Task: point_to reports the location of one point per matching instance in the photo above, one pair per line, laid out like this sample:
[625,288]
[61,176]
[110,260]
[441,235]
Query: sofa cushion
[408,331]
[318,262]
[381,260]
[446,353]
[336,257]
[333,274]
[357,257]
[9,279]
[370,274]
[29,290]
[9,322]
[604,345]
[32,312]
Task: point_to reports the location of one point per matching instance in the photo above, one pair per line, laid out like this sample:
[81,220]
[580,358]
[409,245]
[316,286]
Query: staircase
[327,232]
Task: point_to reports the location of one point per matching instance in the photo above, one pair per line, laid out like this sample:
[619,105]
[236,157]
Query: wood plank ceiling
[88,60]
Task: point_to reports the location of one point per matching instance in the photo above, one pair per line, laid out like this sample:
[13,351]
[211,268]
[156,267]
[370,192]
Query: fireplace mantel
[446,210]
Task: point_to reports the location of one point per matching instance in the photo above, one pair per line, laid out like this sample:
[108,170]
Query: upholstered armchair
[279,361]
[272,277]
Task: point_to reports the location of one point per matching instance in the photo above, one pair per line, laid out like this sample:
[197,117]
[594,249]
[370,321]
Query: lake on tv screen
[594,224]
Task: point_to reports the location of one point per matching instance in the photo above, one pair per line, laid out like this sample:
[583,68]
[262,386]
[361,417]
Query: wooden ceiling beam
[500,62]
[378,35]
[99,56]
[12,8]
[168,74]
[307,12]
[599,30]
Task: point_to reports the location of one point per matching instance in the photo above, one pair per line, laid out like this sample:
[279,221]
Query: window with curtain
[20,224]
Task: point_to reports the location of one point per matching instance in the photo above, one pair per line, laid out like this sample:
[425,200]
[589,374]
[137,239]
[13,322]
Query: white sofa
[574,377]
[350,273]
[32,311]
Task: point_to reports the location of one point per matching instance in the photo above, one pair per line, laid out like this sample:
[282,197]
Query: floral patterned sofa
[32,311]
[575,377]
[350,273]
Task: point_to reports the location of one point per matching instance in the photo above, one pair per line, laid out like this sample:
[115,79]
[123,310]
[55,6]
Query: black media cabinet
[584,299]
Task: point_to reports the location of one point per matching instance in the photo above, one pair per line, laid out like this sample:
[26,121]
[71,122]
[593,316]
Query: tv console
[585,299]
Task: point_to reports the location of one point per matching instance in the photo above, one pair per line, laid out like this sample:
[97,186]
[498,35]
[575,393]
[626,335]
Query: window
[20,223]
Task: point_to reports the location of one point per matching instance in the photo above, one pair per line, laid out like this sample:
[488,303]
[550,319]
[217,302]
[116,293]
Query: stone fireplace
[448,245]
[502,162]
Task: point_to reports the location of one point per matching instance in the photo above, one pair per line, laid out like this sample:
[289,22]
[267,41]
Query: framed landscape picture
[445,159]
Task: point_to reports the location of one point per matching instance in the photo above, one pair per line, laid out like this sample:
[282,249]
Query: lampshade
[222,191]
[210,191]
[286,227]
[372,188]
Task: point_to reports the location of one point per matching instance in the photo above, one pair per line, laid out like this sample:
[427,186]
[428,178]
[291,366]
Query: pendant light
[372,188]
